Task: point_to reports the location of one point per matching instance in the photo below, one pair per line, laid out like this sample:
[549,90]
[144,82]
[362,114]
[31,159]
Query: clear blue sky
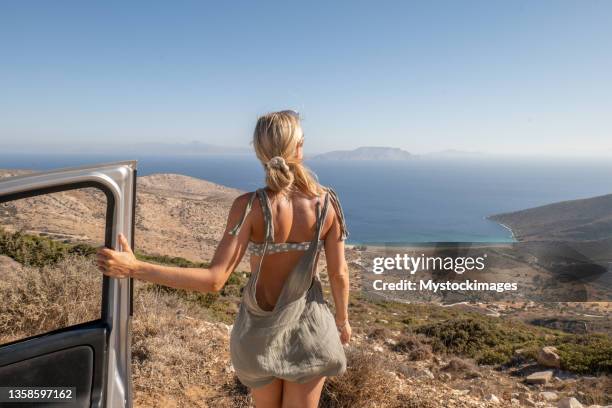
[493,76]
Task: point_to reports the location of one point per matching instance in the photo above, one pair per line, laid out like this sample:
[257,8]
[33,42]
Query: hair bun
[278,163]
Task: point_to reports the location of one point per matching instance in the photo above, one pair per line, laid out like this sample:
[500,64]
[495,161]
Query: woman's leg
[268,396]
[302,395]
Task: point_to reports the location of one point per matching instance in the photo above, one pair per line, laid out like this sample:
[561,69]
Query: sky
[517,77]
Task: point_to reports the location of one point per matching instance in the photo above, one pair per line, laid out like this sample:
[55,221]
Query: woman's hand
[117,264]
[345,331]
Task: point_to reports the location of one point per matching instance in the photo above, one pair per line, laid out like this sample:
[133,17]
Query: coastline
[509,229]
[388,222]
[493,219]
[428,245]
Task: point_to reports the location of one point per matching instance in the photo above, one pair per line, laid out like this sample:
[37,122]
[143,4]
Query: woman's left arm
[229,252]
[337,272]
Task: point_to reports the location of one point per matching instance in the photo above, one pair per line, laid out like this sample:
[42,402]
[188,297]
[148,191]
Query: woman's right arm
[337,271]
[229,252]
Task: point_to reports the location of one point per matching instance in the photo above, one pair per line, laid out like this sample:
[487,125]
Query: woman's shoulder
[331,192]
[336,210]
[328,189]
[243,198]
[239,211]
[244,202]
[323,191]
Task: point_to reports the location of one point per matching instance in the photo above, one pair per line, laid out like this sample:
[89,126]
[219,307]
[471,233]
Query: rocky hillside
[575,220]
[403,355]
[176,215]
[180,215]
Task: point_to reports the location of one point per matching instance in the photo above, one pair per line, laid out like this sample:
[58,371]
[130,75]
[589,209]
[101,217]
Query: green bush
[585,354]
[494,356]
[473,336]
[494,341]
[32,250]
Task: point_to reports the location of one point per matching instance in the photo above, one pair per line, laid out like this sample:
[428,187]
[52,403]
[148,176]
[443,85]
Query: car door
[88,361]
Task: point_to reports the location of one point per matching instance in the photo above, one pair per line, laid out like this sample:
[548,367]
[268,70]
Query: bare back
[294,221]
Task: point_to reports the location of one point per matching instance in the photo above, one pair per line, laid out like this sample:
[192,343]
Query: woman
[285,340]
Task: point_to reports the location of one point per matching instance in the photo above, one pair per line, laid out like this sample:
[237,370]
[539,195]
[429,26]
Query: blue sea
[416,201]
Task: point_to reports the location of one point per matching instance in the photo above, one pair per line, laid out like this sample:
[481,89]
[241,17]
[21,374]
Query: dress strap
[266,207]
[267,213]
[269,226]
[321,215]
[236,229]
[338,208]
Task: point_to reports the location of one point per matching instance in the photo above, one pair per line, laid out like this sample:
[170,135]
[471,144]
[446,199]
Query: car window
[48,278]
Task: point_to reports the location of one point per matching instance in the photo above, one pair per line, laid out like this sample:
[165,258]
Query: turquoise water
[421,200]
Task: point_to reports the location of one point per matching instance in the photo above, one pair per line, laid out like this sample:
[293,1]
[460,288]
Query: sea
[424,200]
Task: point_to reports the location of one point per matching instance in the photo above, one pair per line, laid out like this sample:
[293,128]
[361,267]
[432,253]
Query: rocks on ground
[540,377]
[548,357]
[569,403]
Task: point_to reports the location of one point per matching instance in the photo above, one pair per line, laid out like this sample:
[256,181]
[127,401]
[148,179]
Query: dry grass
[178,358]
[463,368]
[180,349]
[593,390]
[36,300]
[380,333]
[414,346]
[366,383]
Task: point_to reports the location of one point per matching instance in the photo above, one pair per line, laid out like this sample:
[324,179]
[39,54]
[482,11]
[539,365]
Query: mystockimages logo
[414,264]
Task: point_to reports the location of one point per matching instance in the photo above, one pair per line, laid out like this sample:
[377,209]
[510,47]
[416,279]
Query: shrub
[471,336]
[585,354]
[495,341]
[379,333]
[414,346]
[32,250]
[498,355]
[461,367]
[488,341]
[366,383]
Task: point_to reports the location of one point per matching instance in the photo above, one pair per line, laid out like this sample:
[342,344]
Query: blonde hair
[276,139]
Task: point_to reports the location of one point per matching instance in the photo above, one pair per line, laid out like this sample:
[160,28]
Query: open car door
[70,345]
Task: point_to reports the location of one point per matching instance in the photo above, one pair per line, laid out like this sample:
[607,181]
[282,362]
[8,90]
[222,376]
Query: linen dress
[297,340]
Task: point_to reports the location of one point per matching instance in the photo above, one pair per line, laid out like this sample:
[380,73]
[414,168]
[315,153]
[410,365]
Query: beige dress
[297,340]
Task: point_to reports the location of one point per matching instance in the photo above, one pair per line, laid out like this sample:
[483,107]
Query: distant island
[574,220]
[366,153]
[455,154]
[372,153]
